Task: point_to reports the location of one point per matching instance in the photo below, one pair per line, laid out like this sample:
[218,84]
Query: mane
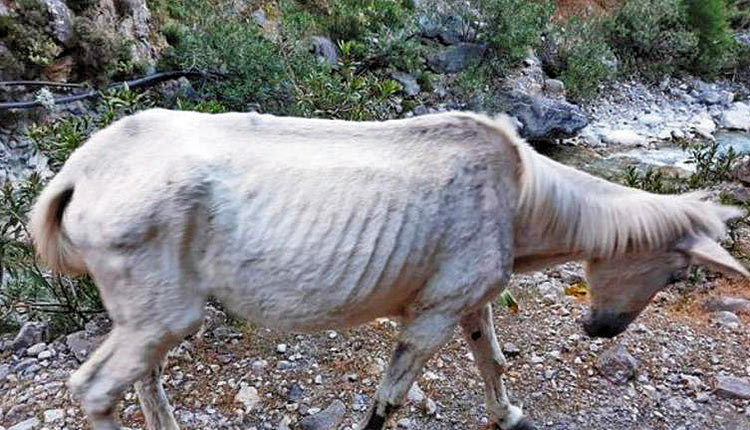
[603,219]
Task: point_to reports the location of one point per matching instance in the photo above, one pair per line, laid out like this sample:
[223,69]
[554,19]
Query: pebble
[29,424]
[732,387]
[53,415]
[727,319]
[327,419]
[281,348]
[34,350]
[248,396]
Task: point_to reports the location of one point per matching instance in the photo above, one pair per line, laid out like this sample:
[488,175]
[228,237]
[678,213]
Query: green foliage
[59,140]
[513,27]
[205,106]
[254,67]
[344,94]
[711,165]
[24,287]
[649,180]
[356,19]
[30,47]
[652,36]
[738,14]
[716,46]
[585,58]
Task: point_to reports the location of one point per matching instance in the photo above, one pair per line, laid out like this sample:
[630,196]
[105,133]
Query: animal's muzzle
[607,324]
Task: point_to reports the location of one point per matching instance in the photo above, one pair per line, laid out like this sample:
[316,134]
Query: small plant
[59,140]
[649,180]
[206,106]
[711,165]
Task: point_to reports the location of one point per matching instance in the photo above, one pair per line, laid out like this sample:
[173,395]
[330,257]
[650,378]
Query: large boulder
[447,29]
[455,58]
[737,117]
[543,118]
[30,334]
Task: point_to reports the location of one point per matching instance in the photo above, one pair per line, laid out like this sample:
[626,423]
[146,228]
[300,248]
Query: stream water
[669,159]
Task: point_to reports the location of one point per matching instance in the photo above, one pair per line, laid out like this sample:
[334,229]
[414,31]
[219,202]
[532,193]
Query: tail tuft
[51,243]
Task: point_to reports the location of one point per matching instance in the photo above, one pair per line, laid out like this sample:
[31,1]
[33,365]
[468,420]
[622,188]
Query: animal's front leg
[418,341]
[479,332]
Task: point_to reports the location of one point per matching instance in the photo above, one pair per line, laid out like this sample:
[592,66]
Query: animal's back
[273,214]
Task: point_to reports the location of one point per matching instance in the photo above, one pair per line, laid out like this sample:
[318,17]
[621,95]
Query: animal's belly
[333,256]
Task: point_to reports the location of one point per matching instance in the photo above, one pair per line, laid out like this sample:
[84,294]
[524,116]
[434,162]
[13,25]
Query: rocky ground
[682,365]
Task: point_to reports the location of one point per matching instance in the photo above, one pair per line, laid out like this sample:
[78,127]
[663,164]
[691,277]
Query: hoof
[523,424]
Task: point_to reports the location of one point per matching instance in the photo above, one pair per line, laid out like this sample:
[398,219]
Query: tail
[50,240]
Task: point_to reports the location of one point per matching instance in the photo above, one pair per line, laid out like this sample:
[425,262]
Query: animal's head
[621,287]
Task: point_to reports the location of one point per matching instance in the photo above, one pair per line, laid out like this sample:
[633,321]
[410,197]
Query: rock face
[732,387]
[61,20]
[447,29]
[544,118]
[455,58]
[617,365]
[327,419]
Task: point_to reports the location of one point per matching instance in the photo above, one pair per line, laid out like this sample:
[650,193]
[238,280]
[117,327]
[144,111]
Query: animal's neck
[556,205]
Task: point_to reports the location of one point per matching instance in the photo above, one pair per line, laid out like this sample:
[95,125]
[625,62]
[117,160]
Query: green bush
[582,57]
[255,71]
[356,19]
[716,45]
[513,27]
[738,14]
[652,36]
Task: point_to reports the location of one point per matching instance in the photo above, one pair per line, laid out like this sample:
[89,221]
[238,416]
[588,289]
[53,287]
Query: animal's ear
[708,252]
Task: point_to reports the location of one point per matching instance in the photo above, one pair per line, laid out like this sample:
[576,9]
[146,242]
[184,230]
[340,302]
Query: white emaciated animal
[307,224]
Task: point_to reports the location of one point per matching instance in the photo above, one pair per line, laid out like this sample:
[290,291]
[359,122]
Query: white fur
[306,224]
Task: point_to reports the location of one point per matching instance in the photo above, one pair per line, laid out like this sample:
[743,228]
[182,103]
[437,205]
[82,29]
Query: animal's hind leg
[418,341]
[154,402]
[479,332]
[127,355]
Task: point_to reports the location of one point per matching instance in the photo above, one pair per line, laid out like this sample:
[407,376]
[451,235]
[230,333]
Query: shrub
[652,36]
[254,67]
[355,19]
[738,14]
[513,27]
[580,56]
[716,46]
[711,165]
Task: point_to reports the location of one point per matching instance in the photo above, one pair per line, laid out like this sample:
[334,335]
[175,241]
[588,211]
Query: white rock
[53,415]
[248,396]
[415,395]
[703,124]
[623,137]
[46,354]
[30,424]
[34,350]
[281,348]
[737,117]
